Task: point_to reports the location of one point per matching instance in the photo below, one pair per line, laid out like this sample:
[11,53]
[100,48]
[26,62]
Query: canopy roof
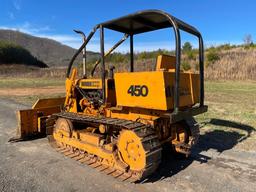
[148,20]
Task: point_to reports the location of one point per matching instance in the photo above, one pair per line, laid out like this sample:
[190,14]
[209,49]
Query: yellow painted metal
[156,90]
[131,150]
[27,122]
[41,122]
[134,114]
[90,84]
[64,127]
[186,98]
[72,107]
[90,148]
[102,128]
[49,102]
[32,121]
[195,84]
[165,62]
[69,86]
[191,88]
[160,86]
[180,135]
[88,137]
[82,140]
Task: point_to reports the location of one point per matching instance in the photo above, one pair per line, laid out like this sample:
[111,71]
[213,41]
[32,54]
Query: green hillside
[14,54]
[51,52]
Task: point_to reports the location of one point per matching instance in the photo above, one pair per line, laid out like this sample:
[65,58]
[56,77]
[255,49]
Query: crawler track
[147,136]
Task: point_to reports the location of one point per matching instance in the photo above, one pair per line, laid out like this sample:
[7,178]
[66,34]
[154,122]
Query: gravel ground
[35,166]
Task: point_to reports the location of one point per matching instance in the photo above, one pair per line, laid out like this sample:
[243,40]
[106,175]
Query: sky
[219,21]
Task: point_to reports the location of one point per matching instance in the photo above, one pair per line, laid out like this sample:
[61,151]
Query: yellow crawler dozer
[118,123]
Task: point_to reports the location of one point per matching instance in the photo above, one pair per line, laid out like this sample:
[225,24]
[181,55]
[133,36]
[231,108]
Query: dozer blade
[32,122]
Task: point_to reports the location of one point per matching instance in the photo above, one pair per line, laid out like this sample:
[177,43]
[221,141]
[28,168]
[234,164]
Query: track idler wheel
[63,128]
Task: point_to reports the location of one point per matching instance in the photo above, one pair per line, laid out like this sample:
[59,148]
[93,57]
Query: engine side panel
[140,89]
[155,90]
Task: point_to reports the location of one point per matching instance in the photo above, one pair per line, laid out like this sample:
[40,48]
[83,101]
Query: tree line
[11,53]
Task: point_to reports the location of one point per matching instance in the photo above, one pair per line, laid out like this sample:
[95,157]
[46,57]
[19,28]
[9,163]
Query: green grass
[231,100]
[231,86]
[232,112]
[30,82]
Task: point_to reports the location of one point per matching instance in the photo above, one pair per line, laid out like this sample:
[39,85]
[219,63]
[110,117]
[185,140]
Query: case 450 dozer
[119,123]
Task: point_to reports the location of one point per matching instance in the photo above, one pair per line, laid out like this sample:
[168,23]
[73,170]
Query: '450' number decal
[138,90]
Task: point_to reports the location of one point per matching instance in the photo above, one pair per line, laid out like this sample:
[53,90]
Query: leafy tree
[185,65]
[212,56]
[187,47]
[191,55]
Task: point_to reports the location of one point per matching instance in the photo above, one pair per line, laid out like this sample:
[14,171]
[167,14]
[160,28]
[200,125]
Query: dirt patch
[32,91]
